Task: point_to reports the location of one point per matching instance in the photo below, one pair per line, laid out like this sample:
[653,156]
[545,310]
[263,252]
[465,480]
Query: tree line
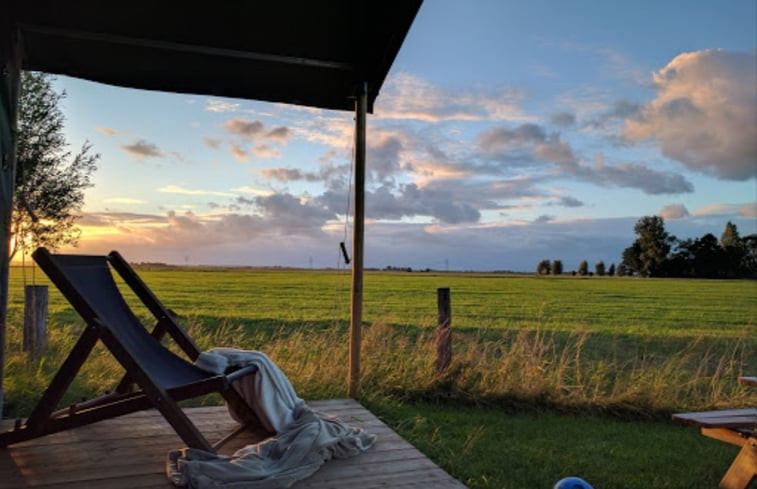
[656,253]
[555,267]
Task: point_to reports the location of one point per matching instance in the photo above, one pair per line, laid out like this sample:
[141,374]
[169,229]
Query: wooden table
[737,427]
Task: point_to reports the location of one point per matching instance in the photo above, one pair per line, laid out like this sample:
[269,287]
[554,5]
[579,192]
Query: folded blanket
[305,438]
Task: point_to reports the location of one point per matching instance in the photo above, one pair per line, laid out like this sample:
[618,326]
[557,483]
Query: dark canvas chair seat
[155,376]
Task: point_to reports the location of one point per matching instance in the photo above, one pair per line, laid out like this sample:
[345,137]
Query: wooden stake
[443,331]
[356,309]
[35,319]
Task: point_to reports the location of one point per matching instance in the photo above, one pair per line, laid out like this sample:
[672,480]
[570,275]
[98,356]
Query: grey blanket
[305,439]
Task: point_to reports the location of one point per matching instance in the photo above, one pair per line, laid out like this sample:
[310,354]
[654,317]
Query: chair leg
[743,469]
[250,420]
[63,378]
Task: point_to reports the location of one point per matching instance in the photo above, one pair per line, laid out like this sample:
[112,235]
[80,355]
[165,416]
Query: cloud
[720,210]
[114,218]
[268,237]
[280,134]
[500,139]
[124,200]
[238,152]
[639,176]
[609,117]
[556,151]
[567,201]
[412,201]
[244,128]
[704,113]
[210,142]
[143,149]
[564,119]
[291,212]
[106,130]
[384,154]
[407,96]
[176,189]
[284,174]
[265,151]
[543,219]
[529,146]
[443,201]
[748,210]
[254,131]
[674,211]
[251,190]
[216,105]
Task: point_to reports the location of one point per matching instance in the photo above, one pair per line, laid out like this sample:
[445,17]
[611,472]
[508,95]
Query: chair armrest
[241,372]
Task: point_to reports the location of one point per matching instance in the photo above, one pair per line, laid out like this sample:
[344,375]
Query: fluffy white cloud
[705,113]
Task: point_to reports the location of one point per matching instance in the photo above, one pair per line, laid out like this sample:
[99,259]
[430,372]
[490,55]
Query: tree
[648,254]
[599,268]
[708,257]
[730,236]
[621,271]
[749,263]
[543,267]
[611,270]
[734,252]
[583,268]
[556,267]
[50,181]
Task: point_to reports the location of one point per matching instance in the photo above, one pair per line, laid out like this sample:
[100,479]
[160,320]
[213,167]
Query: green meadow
[551,376]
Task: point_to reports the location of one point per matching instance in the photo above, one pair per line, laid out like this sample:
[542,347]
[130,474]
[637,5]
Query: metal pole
[356,309]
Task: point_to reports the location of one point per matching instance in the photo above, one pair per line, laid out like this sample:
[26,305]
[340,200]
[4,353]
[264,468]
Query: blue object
[572,483]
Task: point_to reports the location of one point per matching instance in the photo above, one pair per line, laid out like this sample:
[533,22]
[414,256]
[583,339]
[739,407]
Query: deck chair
[155,376]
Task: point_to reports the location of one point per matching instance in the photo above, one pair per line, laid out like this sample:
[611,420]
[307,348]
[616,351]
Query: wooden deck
[129,453]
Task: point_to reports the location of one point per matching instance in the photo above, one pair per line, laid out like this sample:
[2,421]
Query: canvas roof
[303,52]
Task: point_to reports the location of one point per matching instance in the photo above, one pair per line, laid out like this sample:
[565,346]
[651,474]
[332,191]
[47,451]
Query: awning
[304,52]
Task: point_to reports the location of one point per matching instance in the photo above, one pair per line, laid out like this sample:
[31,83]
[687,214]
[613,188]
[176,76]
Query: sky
[506,133]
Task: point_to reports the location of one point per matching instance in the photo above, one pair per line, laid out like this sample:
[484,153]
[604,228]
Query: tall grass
[528,363]
[529,368]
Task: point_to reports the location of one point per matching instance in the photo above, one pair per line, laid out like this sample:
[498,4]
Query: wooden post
[35,319]
[10,74]
[443,331]
[356,306]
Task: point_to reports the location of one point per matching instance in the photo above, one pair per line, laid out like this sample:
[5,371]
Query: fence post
[35,318]
[443,331]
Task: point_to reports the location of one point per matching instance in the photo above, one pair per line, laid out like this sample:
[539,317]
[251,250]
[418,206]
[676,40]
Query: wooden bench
[737,427]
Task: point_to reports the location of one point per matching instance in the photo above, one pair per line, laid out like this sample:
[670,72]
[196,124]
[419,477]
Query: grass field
[545,370]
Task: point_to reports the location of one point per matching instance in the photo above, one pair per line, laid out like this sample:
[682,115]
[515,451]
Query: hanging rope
[343,258]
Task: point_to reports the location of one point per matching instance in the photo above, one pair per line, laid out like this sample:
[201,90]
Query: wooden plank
[129,453]
[743,470]
[726,435]
[733,418]
[748,380]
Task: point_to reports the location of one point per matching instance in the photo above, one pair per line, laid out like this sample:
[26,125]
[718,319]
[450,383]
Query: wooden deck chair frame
[161,378]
